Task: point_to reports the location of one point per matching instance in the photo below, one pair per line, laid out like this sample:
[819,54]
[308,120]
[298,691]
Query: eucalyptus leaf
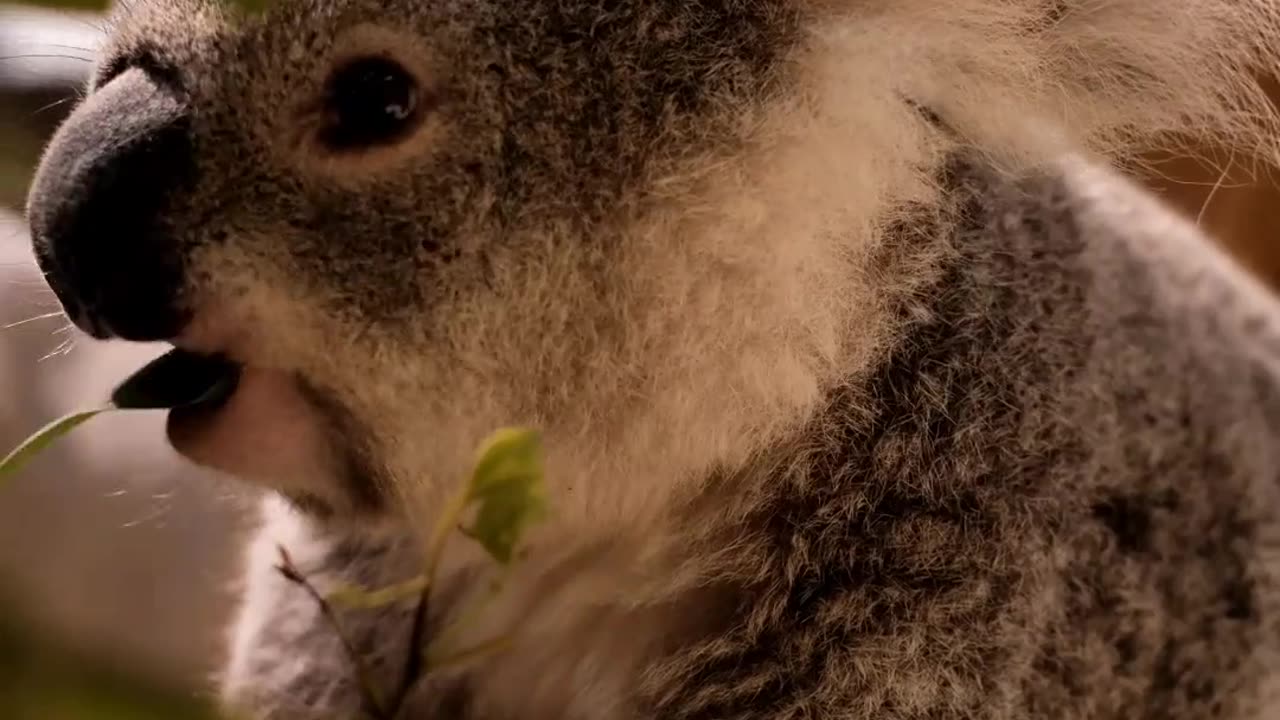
[507,488]
[43,438]
[175,379]
[356,598]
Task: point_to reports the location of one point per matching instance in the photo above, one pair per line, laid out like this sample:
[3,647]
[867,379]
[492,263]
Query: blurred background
[115,557]
[112,551]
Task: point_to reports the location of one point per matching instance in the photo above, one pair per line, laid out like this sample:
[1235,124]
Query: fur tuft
[1032,79]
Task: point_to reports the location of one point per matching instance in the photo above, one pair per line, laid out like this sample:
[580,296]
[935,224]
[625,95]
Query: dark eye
[370,101]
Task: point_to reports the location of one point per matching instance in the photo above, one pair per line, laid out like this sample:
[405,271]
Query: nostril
[99,209]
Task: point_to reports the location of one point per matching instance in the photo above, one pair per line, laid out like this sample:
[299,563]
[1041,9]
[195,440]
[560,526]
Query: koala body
[869,388]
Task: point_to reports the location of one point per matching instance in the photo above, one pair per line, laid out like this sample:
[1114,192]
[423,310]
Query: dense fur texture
[868,389]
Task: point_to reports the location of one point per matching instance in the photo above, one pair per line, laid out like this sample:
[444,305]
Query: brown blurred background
[110,541]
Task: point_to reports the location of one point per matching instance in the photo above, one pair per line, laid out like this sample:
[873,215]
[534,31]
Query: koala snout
[98,209]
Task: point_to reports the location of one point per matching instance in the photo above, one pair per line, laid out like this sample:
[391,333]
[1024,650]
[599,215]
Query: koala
[870,384]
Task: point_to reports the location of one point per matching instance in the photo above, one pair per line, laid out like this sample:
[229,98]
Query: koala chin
[870,386]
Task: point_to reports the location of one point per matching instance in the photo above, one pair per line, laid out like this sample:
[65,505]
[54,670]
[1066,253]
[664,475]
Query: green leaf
[507,486]
[42,439]
[351,597]
[174,379]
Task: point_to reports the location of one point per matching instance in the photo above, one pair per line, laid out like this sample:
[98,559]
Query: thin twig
[413,663]
[495,645]
[368,694]
[355,598]
[468,616]
[413,658]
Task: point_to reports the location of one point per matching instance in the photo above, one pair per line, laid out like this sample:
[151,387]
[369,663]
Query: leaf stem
[368,693]
[489,646]
[413,663]
[354,598]
[469,615]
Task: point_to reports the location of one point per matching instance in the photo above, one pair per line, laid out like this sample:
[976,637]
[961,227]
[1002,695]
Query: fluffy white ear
[1119,77]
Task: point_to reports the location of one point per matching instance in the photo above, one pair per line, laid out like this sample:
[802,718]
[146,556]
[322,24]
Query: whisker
[100,27]
[53,105]
[43,316]
[45,56]
[91,51]
[63,348]
[160,511]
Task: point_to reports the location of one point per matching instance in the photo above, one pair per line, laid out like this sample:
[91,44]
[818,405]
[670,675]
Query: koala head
[650,229]
[410,223]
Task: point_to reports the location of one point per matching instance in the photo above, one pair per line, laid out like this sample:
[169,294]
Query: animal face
[410,223]
[658,231]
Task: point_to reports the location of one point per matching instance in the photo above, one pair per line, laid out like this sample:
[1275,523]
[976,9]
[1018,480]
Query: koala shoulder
[1058,485]
[1151,260]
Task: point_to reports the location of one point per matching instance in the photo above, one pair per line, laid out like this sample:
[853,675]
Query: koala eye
[368,102]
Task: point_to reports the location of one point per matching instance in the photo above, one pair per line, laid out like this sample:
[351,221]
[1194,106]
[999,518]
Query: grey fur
[997,528]
[1055,497]
[861,401]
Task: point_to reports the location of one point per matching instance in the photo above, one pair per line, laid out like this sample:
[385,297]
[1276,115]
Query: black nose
[99,209]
